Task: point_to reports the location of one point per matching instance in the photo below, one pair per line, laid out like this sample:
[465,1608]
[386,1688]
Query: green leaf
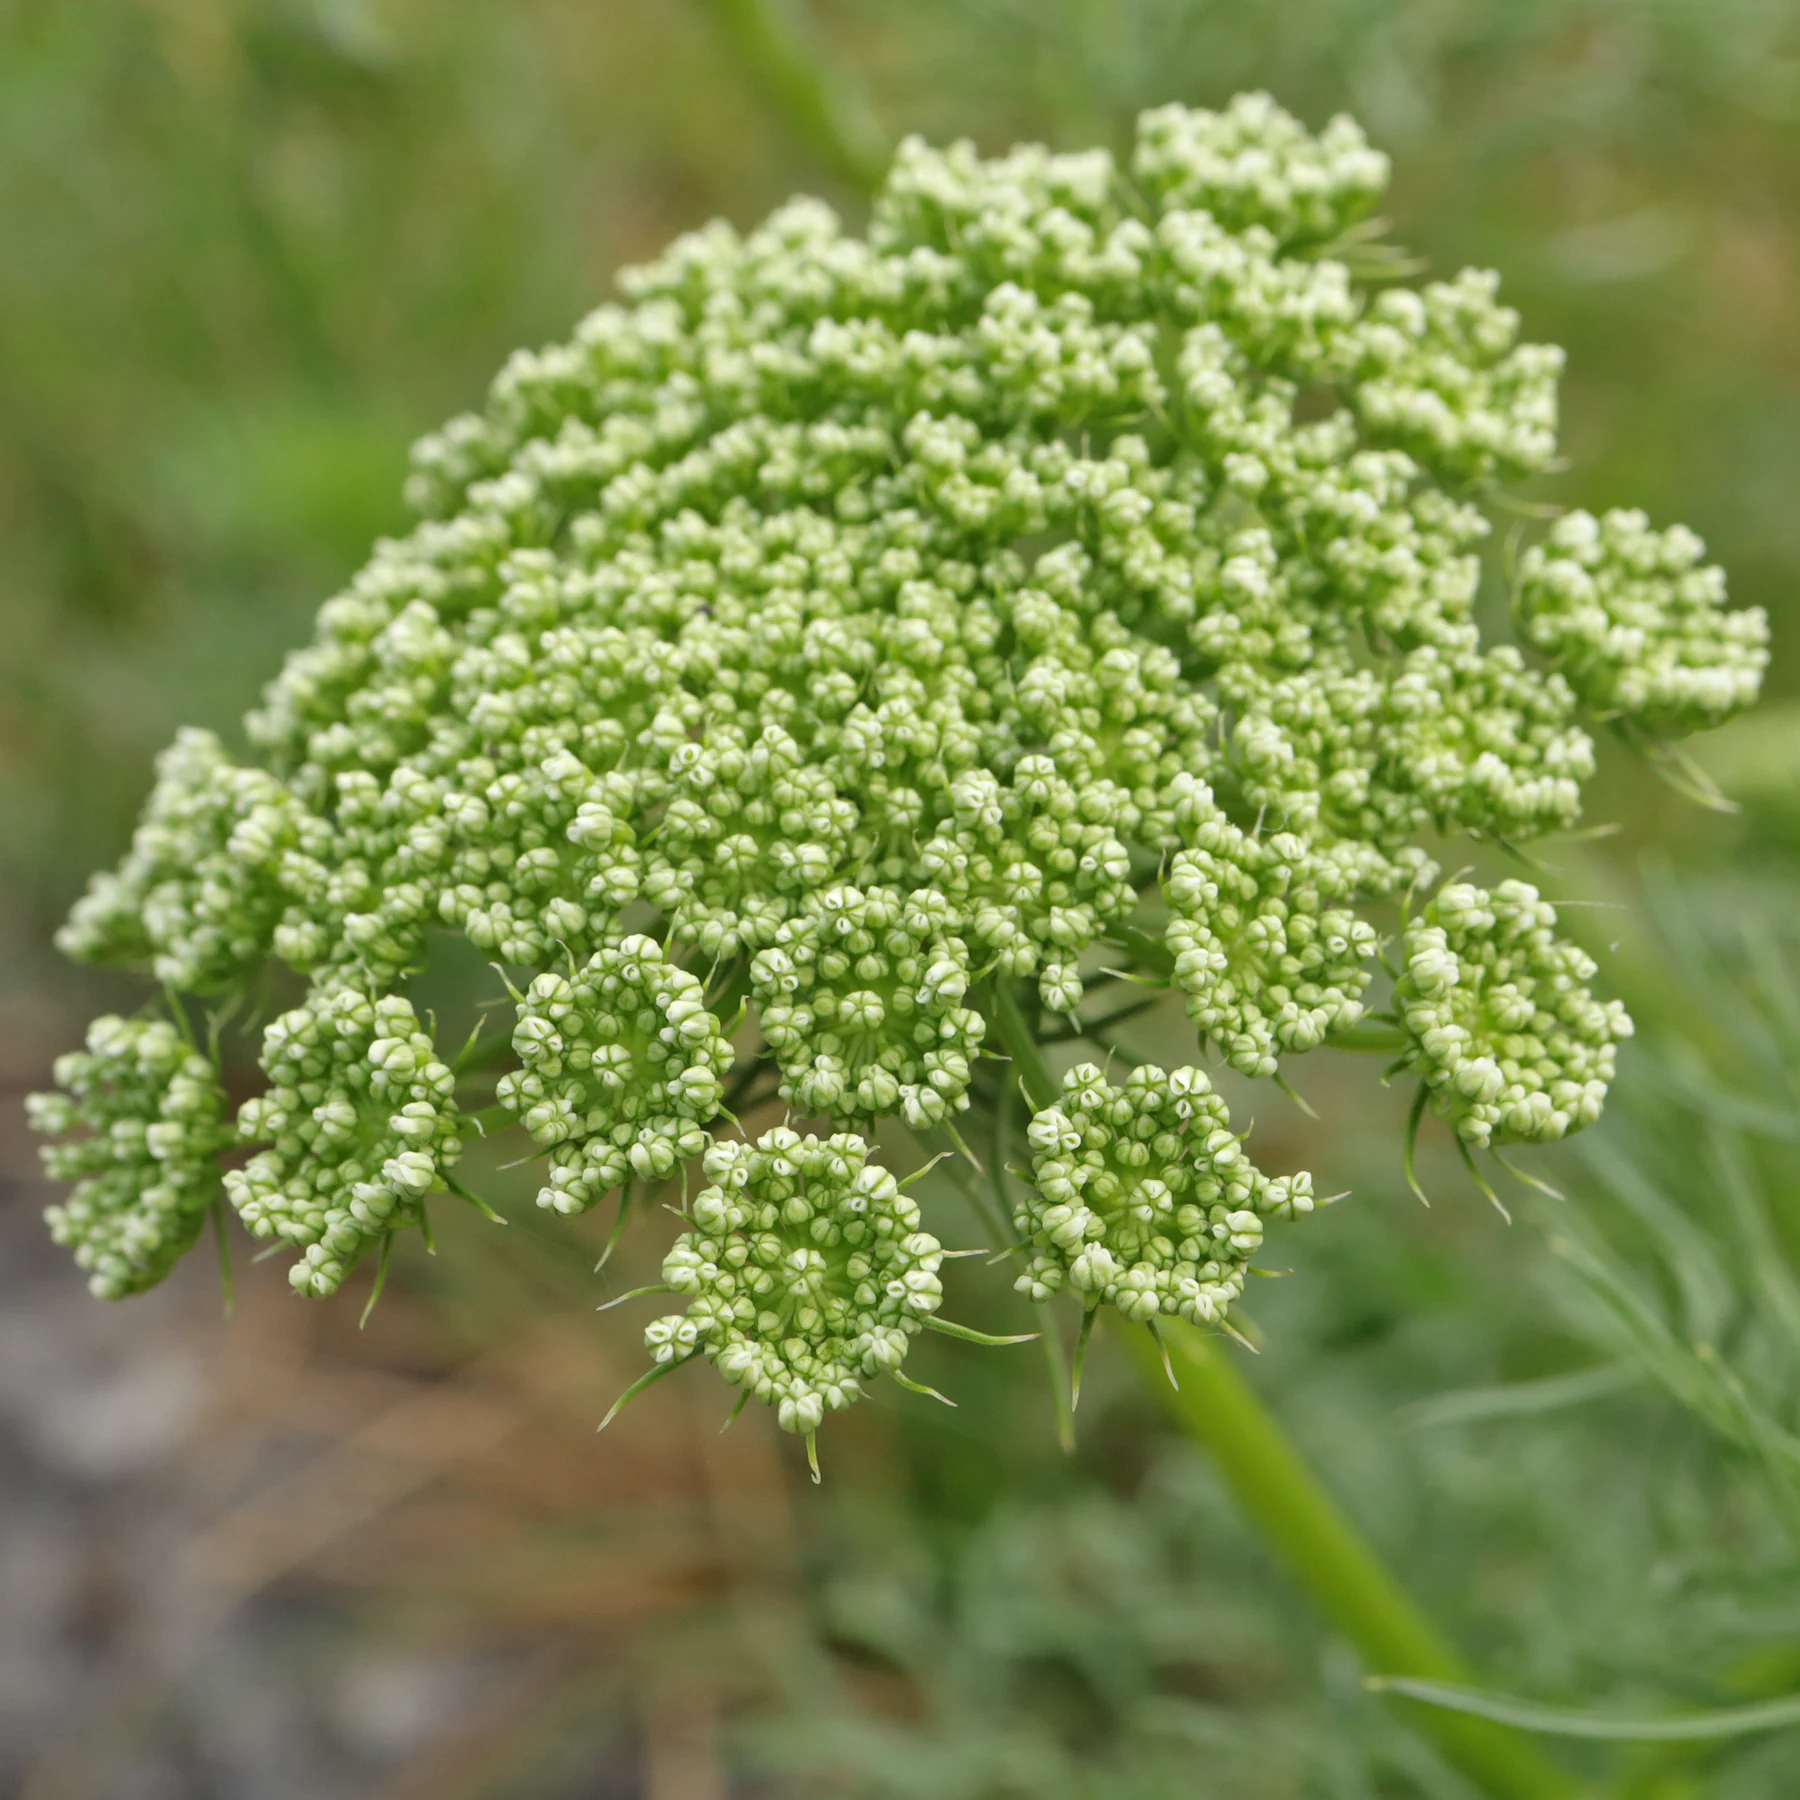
[1567,1721]
[1520,1399]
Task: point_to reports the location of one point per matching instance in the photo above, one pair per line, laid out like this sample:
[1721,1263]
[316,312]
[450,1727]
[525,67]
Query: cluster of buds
[197,899]
[1500,1023]
[807,1273]
[873,628]
[862,1002]
[360,1123]
[1265,959]
[1142,1197]
[1036,872]
[1252,165]
[621,1069]
[1638,625]
[146,1173]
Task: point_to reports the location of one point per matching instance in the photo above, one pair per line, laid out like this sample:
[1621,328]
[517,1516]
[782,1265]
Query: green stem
[1284,1500]
[772,43]
[1021,1044]
[1150,951]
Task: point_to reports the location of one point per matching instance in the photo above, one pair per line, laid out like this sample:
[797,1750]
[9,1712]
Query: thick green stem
[1283,1499]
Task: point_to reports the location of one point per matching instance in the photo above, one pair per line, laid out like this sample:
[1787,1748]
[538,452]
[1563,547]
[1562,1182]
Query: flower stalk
[1289,1507]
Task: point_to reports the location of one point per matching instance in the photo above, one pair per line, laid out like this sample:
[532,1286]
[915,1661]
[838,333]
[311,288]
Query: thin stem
[1057,1366]
[991,1221]
[1055,1363]
[222,1236]
[1021,1045]
[1333,1562]
[1083,1338]
[739,1091]
[1151,952]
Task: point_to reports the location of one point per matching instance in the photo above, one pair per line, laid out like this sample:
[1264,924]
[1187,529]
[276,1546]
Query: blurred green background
[251,248]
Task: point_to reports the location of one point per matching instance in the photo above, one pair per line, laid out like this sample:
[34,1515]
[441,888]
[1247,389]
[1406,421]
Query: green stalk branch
[1330,1558]
[1020,1043]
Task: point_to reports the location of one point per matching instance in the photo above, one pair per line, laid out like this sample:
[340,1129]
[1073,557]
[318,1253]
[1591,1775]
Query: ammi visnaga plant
[852,663]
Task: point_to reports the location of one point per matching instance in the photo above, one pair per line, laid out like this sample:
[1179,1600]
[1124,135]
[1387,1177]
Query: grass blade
[1567,1721]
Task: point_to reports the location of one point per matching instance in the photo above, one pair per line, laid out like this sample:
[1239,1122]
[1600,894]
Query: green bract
[808,1273]
[1499,1020]
[845,652]
[147,1173]
[1142,1198]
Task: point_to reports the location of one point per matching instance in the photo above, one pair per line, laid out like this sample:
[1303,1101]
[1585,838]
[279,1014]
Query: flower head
[1637,623]
[1265,959]
[146,1173]
[1499,1020]
[1143,1198]
[620,1071]
[862,1001]
[807,1272]
[360,1127]
[866,623]
[198,897]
